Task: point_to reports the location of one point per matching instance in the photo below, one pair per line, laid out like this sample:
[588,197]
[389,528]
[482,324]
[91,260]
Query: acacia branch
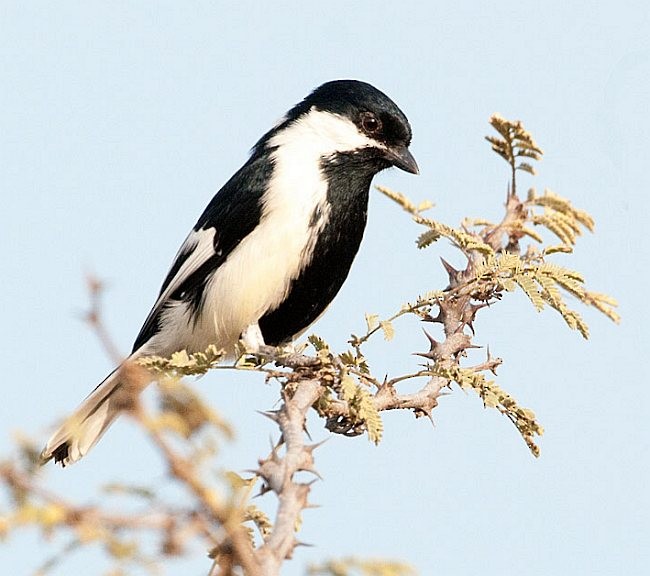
[278,472]
[340,387]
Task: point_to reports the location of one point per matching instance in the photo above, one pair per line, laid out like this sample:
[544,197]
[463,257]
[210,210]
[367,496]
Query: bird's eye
[370,123]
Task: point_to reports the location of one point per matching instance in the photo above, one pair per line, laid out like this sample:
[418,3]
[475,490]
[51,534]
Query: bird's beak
[401,157]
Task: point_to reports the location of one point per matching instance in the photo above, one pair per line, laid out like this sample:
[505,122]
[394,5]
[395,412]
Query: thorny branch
[278,473]
[339,387]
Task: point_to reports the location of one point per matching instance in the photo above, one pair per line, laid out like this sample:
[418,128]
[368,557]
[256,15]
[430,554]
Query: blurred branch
[172,526]
[356,566]
[94,318]
[235,539]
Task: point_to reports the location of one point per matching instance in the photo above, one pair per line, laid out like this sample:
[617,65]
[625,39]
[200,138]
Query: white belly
[256,276]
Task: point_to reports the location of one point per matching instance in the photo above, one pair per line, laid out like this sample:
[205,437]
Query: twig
[94,318]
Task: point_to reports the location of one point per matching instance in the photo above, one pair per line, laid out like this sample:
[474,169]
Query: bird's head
[351,120]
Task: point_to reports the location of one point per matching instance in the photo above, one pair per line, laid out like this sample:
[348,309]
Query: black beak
[401,157]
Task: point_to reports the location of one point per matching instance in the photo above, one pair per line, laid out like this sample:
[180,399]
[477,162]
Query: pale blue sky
[119,120]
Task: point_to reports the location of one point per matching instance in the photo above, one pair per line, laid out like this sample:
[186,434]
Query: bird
[272,248]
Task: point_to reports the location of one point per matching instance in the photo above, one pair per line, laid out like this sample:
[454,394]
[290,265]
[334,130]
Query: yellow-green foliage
[183,364]
[357,567]
[260,519]
[497,263]
[513,143]
[344,376]
[361,406]
[460,238]
[559,217]
[540,281]
[494,396]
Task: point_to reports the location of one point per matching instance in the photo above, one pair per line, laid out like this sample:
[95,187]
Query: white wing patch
[201,245]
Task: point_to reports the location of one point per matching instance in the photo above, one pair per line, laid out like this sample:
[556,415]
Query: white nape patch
[320,134]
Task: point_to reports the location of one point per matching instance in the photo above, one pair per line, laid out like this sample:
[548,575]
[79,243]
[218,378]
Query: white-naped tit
[272,248]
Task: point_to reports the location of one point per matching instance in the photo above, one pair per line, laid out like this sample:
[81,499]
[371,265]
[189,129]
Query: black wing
[231,215]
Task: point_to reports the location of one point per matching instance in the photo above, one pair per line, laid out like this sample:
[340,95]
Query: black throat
[348,177]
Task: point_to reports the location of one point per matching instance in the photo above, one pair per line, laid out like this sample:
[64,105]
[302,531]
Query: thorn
[432,354]
[434,343]
[429,415]
[438,319]
[312,470]
[313,447]
[273,457]
[493,362]
[469,314]
[263,490]
[304,544]
[419,412]
[382,386]
[270,414]
[451,271]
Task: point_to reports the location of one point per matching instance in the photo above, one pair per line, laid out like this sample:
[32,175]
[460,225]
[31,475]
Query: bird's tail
[83,429]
